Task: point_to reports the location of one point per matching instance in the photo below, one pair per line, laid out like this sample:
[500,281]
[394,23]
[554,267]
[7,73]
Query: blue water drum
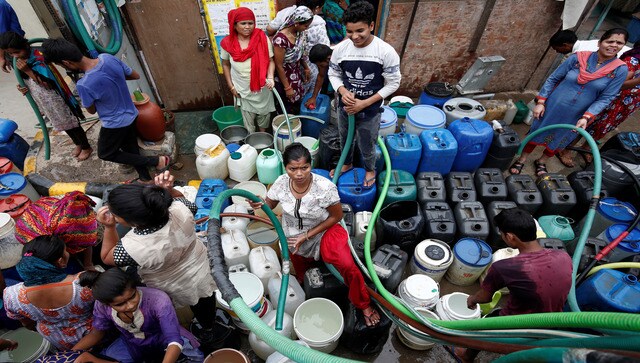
[610,290]
[15,149]
[404,151]
[209,189]
[628,247]
[322,172]
[474,140]
[322,111]
[424,117]
[436,94]
[352,191]
[7,128]
[439,149]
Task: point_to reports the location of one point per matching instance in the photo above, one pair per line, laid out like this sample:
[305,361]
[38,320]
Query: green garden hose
[34,105]
[111,12]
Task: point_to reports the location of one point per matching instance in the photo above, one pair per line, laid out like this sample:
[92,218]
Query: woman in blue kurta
[578,90]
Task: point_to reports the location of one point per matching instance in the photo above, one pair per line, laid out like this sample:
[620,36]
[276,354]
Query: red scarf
[257,50]
[585,76]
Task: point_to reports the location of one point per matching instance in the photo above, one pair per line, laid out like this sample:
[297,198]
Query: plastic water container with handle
[212,163]
[242,163]
[295,293]
[239,223]
[268,166]
[264,263]
[235,248]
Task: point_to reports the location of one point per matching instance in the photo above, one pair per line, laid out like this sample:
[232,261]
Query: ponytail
[108,285]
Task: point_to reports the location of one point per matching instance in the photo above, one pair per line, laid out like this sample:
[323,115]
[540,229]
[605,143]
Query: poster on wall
[216,16]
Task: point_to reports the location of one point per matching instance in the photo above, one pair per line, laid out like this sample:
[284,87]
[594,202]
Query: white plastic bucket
[319,323]
[283,134]
[431,257]
[10,248]
[264,350]
[501,254]
[419,291]
[205,141]
[454,307]
[388,121]
[309,142]
[98,202]
[251,290]
[424,117]
[254,187]
[412,341]
[14,183]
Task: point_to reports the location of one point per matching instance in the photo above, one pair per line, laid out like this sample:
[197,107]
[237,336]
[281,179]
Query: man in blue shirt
[103,89]
[8,22]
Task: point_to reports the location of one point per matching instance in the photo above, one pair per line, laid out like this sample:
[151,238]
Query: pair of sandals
[541,168]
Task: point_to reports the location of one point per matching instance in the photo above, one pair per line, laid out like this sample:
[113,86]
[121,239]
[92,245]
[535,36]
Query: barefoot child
[51,93]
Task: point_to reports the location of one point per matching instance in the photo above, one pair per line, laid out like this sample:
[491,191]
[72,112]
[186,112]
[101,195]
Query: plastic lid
[14,203]
[426,117]
[473,251]
[439,89]
[11,183]
[389,117]
[616,210]
[233,147]
[630,243]
[422,287]
[236,155]
[5,165]
[206,141]
[433,252]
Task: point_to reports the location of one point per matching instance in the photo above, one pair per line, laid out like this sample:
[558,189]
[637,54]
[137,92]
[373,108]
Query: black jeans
[79,137]
[120,145]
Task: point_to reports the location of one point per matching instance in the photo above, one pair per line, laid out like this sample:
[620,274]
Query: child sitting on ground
[538,279]
[364,70]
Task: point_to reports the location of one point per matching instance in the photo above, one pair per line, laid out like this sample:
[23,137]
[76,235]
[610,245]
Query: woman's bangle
[288,88]
[232,88]
[306,235]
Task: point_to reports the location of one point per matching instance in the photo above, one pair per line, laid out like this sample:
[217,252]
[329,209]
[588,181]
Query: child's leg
[366,137]
[119,145]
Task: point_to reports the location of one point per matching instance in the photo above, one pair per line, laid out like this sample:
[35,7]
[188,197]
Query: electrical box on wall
[479,74]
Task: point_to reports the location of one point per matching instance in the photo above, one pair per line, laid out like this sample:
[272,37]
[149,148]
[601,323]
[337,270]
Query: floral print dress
[292,65]
[626,103]
[63,327]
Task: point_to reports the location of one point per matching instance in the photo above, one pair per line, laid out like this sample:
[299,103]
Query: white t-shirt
[592,46]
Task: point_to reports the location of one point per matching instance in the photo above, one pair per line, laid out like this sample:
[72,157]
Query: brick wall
[518,30]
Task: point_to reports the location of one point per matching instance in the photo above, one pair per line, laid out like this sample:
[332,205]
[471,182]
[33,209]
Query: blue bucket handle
[481,250]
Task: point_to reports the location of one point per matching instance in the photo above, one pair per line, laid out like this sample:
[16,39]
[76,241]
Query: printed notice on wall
[216,16]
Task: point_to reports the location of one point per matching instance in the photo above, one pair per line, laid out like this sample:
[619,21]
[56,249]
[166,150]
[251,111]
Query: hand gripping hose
[34,105]
[221,275]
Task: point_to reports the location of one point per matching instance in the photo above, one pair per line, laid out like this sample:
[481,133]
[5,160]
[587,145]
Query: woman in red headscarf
[247,62]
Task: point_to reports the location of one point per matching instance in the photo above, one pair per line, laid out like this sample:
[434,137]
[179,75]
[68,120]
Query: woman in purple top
[145,318]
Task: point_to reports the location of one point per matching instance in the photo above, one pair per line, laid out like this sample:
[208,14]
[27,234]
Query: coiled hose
[110,11]
[34,105]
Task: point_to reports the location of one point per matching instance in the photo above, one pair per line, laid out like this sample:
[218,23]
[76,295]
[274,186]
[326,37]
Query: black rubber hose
[216,260]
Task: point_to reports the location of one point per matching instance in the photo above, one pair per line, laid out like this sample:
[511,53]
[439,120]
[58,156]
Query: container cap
[11,183]
[616,210]
[426,117]
[389,117]
[473,251]
[630,243]
[7,128]
[233,147]
[236,155]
